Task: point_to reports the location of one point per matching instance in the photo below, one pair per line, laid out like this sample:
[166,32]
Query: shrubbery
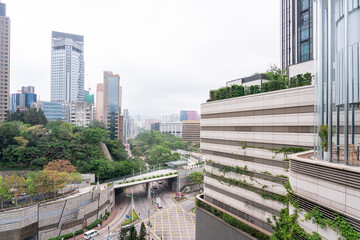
[277,80]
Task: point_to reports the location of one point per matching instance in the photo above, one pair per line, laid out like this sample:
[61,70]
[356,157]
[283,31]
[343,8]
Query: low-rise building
[54,111]
[191,131]
[256,79]
[174,128]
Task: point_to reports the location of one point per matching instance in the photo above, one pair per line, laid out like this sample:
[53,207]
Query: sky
[169,53]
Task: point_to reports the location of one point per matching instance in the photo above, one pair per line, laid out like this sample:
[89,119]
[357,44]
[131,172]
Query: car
[90,234]
[154,187]
[159,182]
[181,194]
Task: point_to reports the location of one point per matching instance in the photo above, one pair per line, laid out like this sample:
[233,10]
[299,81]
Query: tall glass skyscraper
[338,79]
[4,62]
[67,67]
[112,105]
[297,36]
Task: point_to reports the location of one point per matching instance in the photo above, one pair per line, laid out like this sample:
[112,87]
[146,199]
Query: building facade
[111,105]
[328,178]
[174,128]
[100,102]
[188,115]
[148,123]
[242,139]
[54,111]
[191,131]
[297,43]
[89,98]
[24,99]
[171,118]
[67,67]
[81,113]
[4,62]
[257,79]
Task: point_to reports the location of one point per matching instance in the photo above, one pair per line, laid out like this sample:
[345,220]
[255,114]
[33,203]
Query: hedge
[272,85]
[94,224]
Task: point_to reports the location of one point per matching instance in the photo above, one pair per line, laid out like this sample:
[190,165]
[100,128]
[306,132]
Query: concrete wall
[56,218]
[209,227]
[242,132]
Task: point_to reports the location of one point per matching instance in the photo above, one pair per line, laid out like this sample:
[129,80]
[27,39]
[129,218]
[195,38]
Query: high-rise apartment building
[67,67]
[4,62]
[111,105]
[100,102]
[297,51]
[126,125]
[80,113]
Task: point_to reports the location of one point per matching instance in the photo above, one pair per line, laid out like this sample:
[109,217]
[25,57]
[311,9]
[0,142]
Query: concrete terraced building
[245,175]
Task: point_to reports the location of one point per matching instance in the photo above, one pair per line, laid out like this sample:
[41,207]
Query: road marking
[186,223]
[167,210]
[191,218]
[177,219]
[162,226]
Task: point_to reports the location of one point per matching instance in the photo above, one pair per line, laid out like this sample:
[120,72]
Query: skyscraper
[23,99]
[111,105]
[4,62]
[297,36]
[67,67]
[100,102]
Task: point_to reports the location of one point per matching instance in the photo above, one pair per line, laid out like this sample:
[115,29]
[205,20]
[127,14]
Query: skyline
[154,48]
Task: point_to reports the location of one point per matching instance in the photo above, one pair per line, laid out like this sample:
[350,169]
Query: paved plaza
[173,223]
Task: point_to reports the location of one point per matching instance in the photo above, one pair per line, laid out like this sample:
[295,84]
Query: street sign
[127,216]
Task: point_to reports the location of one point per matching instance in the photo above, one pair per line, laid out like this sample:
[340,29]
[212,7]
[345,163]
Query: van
[90,234]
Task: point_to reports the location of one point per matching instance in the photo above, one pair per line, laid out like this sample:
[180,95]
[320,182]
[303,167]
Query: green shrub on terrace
[278,80]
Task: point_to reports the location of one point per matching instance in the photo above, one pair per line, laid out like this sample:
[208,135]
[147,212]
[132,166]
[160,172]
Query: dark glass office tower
[297,36]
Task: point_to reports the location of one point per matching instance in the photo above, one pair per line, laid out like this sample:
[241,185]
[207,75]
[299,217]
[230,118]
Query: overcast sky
[168,53]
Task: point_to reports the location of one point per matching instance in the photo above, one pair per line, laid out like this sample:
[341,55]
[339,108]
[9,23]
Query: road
[144,207]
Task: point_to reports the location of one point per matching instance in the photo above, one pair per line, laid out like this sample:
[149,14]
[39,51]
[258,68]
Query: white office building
[67,67]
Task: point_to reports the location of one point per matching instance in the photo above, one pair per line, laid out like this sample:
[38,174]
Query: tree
[132,234]
[197,177]
[30,188]
[142,232]
[54,179]
[60,166]
[123,234]
[16,185]
[4,192]
[97,124]
[34,116]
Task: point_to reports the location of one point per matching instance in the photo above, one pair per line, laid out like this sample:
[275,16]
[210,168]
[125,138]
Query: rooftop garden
[278,79]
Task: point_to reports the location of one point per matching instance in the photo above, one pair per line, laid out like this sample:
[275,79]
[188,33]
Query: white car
[90,234]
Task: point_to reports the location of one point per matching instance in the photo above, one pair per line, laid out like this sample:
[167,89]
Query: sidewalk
[120,199]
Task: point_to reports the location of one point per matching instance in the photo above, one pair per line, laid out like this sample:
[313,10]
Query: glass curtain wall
[337,80]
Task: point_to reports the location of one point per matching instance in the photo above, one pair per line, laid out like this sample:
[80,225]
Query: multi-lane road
[148,211]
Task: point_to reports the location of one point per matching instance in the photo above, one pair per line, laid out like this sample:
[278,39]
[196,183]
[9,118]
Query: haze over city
[169,54]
